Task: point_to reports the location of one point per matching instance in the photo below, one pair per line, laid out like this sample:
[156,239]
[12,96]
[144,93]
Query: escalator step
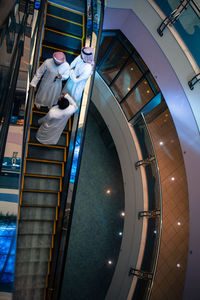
[32,268]
[48,49]
[62,40]
[38,213]
[35,227]
[33,255]
[77,5]
[46,153]
[64,25]
[62,141]
[65,13]
[44,168]
[34,241]
[42,183]
[29,294]
[37,115]
[27,282]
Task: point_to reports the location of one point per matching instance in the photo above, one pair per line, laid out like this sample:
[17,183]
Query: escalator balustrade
[44,169]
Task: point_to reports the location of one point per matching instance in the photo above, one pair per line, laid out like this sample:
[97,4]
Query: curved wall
[172,70]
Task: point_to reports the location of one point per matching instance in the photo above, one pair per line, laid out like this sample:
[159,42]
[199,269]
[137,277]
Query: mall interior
[110,212]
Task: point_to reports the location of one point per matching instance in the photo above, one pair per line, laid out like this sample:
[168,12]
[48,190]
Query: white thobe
[53,124]
[49,90]
[79,74]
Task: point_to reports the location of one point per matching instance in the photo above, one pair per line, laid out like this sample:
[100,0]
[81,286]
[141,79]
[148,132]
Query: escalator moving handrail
[29,102]
[7,100]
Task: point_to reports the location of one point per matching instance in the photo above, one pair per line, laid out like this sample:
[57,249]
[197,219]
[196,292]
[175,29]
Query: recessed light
[122,213]
[110,262]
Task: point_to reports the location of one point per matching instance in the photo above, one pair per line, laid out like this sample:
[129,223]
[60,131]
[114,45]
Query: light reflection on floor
[7,255]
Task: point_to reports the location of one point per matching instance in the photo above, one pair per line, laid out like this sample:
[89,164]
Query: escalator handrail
[30,95]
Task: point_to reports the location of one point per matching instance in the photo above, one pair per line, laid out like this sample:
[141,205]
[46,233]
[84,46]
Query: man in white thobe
[80,70]
[53,71]
[53,124]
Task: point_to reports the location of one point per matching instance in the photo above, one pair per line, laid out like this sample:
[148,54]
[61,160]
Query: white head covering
[59,57]
[87,54]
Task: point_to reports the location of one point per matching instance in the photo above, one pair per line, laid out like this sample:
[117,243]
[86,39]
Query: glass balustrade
[136,90]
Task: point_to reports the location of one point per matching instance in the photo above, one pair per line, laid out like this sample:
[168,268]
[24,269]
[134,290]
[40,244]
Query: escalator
[64,31]
[44,168]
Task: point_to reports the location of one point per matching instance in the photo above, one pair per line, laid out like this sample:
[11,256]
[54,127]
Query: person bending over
[54,122]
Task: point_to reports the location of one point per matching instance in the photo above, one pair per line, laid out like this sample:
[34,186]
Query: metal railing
[145,276]
[153,213]
[182,17]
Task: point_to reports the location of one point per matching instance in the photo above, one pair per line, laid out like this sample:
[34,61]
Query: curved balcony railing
[146,274]
[153,214]
[184,15]
[135,90]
